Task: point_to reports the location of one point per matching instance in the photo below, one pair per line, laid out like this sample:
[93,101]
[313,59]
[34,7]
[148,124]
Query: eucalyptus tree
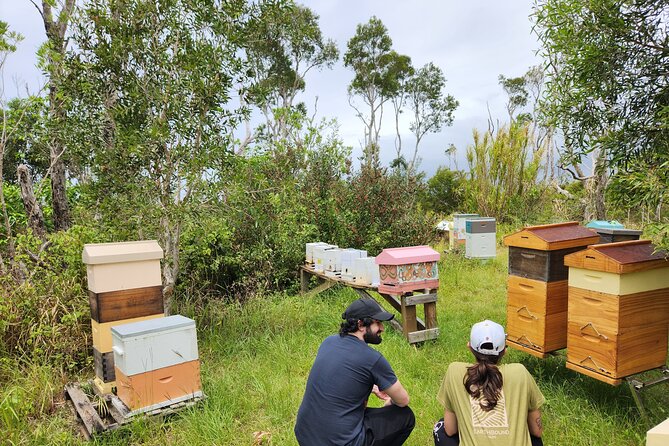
[283,43]
[378,73]
[56,22]
[432,109]
[150,86]
[608,86]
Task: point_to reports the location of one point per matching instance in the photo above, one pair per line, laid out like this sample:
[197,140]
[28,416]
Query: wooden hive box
[618,309]
[156,362]
[537,284]
[537,252]
[618,235]
[408,269]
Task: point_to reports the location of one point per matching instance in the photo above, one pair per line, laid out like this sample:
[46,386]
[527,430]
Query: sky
[472,42]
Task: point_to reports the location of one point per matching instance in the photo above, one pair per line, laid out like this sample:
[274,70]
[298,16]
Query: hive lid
[101,253]
[465,215]
[552,237]
[615,231]
[143,328]
[619,258]
[407,254]
[605,224]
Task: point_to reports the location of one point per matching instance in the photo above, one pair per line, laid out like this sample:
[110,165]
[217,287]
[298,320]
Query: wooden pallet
[89,420]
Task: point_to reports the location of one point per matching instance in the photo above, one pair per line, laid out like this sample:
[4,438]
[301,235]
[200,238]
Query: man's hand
[380,393]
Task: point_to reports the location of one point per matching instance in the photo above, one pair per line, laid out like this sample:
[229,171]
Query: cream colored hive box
[154,344]
[366,271]
[122,266]
[309,251]
[659,435]
[319,256]
[347,258]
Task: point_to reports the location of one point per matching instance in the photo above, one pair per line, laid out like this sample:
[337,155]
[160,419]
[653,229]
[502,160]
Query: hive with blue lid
[480,238]
[613,231]
[156,362]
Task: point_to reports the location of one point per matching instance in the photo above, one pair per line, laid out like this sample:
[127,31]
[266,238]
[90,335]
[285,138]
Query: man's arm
[398,394]
[534,422]
[450,423]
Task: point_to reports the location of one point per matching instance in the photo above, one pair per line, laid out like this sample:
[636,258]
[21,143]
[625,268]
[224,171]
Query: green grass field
[256,358]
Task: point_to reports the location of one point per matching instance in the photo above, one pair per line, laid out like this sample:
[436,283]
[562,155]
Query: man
[346,371]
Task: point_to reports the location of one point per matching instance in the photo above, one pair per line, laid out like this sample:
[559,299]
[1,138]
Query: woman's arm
[450,423]
[534,422]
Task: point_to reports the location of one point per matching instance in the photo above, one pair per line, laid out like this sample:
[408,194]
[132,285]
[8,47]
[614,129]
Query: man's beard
[371,338]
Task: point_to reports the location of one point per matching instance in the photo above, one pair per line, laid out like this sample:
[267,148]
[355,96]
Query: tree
[608,88]
[430,107]
[444,191]
[150,82]
[283,44]
[378,72]
[53,54]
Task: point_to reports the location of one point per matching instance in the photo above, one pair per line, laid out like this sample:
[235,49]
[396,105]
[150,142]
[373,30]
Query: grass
[256,358]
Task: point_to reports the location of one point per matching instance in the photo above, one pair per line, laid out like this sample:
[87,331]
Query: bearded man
[345,373]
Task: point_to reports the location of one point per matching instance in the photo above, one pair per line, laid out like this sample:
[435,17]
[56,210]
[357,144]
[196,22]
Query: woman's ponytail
[483,380]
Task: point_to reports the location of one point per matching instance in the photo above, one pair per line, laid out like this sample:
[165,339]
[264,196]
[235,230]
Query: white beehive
[347,258]
[333,261]
[309,250]
[153,344]
[366,271]
[319,256]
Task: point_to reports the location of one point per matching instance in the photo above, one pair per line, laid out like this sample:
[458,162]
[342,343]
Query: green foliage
[503,173]
[444,191]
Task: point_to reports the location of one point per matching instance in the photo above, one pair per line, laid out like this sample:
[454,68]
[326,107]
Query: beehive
[332,262]
[408,269]
[309,251]
[618,309]
[537,284]
[347,258]
[459,228]
[659,435]
[124,285]
[156,362]
[366,271]
[480,240]
[319,256]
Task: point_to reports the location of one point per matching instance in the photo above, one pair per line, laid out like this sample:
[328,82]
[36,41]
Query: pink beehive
[408,269]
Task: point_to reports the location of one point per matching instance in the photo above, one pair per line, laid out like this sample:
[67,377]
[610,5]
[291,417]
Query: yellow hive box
[619,284]
[102,338]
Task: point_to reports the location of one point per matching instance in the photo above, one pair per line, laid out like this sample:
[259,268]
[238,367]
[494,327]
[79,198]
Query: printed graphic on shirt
[495,418]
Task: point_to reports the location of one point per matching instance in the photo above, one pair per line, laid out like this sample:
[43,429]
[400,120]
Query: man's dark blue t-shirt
[339,384]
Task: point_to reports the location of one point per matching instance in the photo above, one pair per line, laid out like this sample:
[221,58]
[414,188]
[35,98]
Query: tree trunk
[170,241]
[33,210]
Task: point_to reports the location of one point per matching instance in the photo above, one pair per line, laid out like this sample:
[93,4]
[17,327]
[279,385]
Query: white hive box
[659,435]
[480,240]
[459,224]
[366,271]
[122,266]
[310,250]
[347,258]
[319,256]
[333,261]
[143,346]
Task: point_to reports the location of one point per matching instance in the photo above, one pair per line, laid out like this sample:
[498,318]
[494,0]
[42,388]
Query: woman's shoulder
[457,368]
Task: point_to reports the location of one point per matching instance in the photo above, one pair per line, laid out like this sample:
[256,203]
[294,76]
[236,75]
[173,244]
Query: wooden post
[409,321]
[304,281]
[430,312]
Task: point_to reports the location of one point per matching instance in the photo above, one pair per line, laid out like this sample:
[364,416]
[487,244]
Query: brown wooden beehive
[537,284]
[618,310]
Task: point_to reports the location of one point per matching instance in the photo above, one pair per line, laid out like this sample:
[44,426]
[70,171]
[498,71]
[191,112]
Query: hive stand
[89,421]
[415,329]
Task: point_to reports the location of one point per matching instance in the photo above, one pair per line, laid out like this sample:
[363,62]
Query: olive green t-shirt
[504,425]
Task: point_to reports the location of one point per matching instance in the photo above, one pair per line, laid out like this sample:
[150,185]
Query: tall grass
[256,358]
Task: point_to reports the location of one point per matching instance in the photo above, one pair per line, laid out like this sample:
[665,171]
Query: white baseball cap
[487,332]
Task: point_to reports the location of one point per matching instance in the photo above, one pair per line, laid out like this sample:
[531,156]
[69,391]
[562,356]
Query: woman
[487,404]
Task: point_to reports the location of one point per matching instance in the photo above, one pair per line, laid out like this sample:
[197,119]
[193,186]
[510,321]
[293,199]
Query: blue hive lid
[605,224]
[151,326]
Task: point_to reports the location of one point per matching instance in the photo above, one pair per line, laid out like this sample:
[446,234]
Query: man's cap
[487,332]
[363,308]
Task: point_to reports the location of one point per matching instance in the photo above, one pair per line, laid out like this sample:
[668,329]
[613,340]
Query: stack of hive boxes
[618,310]
[124,285]
[537,284]
[612,231]
[459,234]
[156,362]
[480,241]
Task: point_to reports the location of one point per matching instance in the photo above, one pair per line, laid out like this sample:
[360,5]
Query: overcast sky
[473,43]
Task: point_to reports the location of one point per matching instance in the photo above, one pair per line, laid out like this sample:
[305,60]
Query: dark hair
[351,325]
[483,380]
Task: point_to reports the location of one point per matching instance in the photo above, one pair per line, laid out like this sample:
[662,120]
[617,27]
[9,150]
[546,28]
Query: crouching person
[345,373]
[486,403]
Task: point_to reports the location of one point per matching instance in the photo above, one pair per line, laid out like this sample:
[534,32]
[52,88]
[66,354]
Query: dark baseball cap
[363,308]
